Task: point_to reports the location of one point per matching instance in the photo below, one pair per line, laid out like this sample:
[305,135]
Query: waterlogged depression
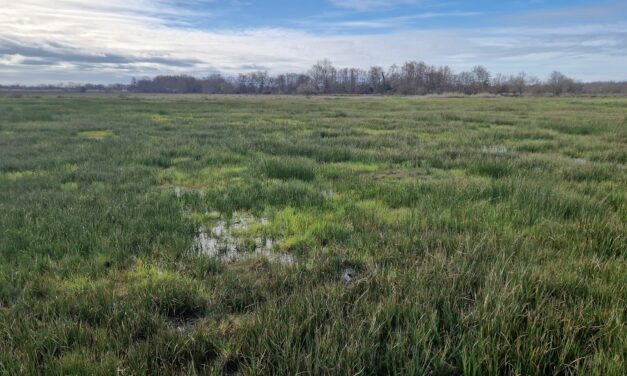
[223,242]
[493,149]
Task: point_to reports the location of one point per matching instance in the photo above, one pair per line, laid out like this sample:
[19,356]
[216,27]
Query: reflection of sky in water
[221,243]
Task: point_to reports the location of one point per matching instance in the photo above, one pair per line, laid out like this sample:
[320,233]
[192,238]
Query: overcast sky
[105,41]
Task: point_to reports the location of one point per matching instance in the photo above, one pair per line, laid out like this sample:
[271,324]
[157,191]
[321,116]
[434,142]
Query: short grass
[487,236]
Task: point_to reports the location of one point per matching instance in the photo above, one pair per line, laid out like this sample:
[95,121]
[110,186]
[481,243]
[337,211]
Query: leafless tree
[413,77]
[323,76]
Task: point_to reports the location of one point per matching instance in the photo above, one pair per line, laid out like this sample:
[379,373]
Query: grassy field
[268,235]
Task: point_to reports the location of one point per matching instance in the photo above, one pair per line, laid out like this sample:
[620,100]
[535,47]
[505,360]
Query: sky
[111,41]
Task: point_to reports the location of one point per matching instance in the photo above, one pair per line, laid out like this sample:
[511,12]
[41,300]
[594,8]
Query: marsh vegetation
[435,236]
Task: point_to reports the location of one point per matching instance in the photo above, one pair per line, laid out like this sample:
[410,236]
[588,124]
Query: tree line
[411,78]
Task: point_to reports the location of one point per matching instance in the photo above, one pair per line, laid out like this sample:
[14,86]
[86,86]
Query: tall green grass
[288,168]
[484,236]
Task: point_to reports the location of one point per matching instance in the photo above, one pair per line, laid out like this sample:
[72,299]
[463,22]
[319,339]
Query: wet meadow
[325,235]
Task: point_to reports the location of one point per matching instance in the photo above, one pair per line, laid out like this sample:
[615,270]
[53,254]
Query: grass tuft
[288,168]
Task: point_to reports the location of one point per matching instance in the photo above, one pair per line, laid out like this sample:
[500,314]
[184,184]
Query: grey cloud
[611,43]
[253,67]
[54,53]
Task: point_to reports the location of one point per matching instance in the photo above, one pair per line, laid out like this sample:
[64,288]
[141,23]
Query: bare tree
[481,78]
[413,77]
[558,83]
[518,83]
[323,76]
[376,78]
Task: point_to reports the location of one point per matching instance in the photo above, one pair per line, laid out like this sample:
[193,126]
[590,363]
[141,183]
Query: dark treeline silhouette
[67,87]
[411,78]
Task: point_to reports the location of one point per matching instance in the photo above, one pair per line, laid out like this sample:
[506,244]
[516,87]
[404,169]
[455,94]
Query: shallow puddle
[182,325]
[328,193]
[221,242]
[348,275]
[181,191]
[493,149]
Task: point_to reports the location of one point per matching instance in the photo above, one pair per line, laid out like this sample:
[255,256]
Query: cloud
[387,23]
[54,53]
[113,40]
